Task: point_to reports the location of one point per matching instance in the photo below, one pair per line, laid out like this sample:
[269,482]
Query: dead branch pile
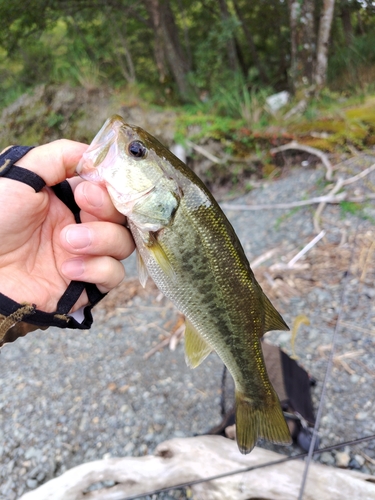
[323,266]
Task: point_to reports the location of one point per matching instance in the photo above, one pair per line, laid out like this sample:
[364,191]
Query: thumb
[54,162]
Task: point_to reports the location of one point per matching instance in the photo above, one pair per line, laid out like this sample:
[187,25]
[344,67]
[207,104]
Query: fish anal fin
[299,320]
[196,348]
[254,422]
[142,270]
[273,319]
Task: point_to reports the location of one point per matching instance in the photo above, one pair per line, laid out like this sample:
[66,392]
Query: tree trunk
[250,43]
[294,12]
[153,11]
[346,18]
[231,46]
[175,53]
[123,55]
[302,37]
[167,44]
[323,41]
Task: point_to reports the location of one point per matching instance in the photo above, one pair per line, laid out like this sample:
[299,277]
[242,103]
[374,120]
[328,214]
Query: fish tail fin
[253,422]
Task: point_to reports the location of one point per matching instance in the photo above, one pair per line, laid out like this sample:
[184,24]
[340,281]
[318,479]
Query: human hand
[42,248]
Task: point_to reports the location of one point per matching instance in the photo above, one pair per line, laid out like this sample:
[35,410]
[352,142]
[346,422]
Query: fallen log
[182,460]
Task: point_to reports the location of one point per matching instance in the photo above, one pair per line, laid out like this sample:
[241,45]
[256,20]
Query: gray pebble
[353,464]
[360,460]
[327,458]
[31,483]
[74,416]
[362,415]
[129,447]
[159,419]
[41,476]
[32,452]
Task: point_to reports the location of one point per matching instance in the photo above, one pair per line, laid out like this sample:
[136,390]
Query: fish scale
[192,253]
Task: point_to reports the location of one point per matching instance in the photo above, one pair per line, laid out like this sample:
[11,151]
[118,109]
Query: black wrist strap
[28,312]
[11,171]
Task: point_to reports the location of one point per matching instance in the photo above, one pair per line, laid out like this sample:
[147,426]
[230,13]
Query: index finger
[54,162]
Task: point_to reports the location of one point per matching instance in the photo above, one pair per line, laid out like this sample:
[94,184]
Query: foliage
[353,66]
[116,42]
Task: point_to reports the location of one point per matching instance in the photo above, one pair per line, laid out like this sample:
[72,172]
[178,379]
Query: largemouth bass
[190,250]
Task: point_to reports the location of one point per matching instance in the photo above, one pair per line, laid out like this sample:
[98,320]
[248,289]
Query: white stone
[277,101]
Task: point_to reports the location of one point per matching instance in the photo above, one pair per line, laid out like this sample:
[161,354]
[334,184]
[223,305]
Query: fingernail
[73,268]
[93,195]
[78,237]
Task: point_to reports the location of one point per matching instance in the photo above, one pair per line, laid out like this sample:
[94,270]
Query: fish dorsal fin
[142,270]
[160,256]
[196,348]
[273,319]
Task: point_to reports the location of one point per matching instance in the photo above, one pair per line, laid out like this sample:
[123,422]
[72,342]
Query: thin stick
[362,174]
[322,204]
[221,161]
[301,203]
[263,257]
[367,262]
[339,184]
[306,248]
[293,204]
[205,153]
[155,349]
[358,328]
[366,457]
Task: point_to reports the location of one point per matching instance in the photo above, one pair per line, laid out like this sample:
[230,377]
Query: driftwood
[307,149]
[183,460]
[225,158]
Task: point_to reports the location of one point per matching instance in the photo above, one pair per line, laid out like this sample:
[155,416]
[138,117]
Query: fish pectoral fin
[158,253]
[273,319]
[142,270]
[196,348]
[254,422]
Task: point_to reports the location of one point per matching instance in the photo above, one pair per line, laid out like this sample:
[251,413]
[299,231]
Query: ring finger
[103,271]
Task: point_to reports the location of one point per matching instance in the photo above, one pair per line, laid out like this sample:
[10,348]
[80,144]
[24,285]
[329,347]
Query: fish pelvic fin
[196,348]
[254,422]
[273,319]
[142,270]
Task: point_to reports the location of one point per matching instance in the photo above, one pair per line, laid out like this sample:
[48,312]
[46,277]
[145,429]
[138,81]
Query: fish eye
[137,149]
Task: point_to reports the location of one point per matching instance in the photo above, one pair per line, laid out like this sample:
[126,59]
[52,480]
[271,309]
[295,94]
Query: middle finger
[97,238]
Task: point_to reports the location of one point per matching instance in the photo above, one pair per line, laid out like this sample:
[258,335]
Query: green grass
[355,209]
[284,217]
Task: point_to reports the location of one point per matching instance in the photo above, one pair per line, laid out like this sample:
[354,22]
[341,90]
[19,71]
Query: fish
[185,243]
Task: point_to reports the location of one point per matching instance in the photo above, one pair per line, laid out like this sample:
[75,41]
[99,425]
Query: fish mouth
[99,150]
[87,170]
[124,202]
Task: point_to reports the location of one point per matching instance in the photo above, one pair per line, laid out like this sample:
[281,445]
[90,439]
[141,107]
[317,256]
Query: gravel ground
[69,397]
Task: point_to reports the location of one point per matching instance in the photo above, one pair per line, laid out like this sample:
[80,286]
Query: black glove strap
[11,171]
[29,313]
